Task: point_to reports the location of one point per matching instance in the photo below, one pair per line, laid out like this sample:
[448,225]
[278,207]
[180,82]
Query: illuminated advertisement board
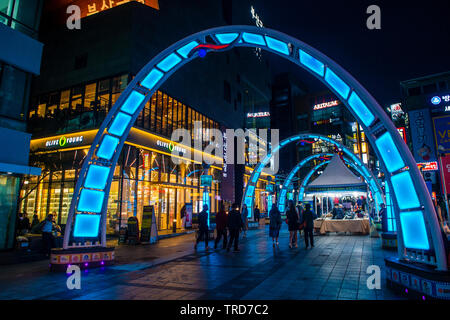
[422,136]
[442,133]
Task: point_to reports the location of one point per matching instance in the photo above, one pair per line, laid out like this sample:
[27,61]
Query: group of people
[298,219]
[23,223]
[228,227]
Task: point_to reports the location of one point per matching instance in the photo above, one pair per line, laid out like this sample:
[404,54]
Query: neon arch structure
[373,186]
[419,232]
[364,171]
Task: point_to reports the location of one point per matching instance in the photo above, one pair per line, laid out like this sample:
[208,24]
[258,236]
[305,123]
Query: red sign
[402,132]
[428,166]
[446,171]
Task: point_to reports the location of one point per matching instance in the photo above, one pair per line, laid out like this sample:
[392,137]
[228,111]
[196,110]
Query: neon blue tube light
[226,38]
[91,201]
[361,109]
[414,231]
[389,152]
[184,51]
[120,123]
[311,63]
[107,147]
[132,103]
[337,83]
[152,79]
[96,177]
[169,62]
[86,225]
[404,191]
[253,38]
[277,45]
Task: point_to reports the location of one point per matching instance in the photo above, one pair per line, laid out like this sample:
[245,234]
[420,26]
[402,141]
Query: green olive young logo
[62,141]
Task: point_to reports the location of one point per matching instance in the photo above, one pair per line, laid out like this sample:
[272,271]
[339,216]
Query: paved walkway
[334,269]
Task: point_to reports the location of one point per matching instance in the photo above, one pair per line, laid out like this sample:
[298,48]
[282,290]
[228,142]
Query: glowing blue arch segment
[253,38]
[132,103]
[414,231]
[120,123]
[169,62]
[96,177]
[389,152]
[226,38]
[86,225]
[107,147]
[361,109]
[152,79]
[337,83]
[184,51]
[311,63]
[277,45]
[91,201]
[404,191]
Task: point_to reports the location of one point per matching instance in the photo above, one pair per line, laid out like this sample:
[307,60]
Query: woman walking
[275,224]
[293,223]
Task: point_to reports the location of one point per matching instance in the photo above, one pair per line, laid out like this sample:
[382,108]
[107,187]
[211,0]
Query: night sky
[414,39]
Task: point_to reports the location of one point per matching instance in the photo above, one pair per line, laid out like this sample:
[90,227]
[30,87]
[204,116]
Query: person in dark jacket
[235,224]
[293,223]
[203,227]
[275,224]
[383,215]
[257,214]
[308,218]
[221,226]
[35,221]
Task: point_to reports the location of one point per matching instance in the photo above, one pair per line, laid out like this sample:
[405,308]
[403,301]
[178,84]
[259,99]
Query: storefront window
[9,189]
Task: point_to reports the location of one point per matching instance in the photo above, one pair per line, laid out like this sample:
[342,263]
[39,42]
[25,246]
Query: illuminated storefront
[145,175]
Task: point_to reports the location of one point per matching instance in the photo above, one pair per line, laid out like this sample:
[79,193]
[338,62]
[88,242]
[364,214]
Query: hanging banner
[446,171]
[442,133]
[422,136]
[188,221]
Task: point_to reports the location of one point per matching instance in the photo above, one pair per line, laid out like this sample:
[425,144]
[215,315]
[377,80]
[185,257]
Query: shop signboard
[442,133]
[422,136]
[446,171]
[133,230]
[146,227]
[188,220]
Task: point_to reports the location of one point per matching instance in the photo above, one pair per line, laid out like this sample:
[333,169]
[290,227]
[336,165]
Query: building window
[227,91]
[414,91]
[429,88]
[81,61]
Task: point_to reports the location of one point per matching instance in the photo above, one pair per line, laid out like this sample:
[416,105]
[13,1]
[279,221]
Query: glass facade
[9,188]
[22,15]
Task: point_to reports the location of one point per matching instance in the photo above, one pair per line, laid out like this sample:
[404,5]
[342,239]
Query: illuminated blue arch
[417,213]
[364,170]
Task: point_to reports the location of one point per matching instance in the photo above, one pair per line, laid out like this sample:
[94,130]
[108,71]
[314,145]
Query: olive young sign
[64,141]
[170,146]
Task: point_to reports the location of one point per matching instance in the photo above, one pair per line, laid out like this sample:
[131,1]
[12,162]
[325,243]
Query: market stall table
[361,226]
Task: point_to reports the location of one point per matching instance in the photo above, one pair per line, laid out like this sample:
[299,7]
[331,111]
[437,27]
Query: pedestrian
[257,214]
[235,224]
[221,226]
[275,224]
[308,218]
[383,215]
[244,215]
[25,227]
[47,234]
[35,221]
[203,227]
[293,223]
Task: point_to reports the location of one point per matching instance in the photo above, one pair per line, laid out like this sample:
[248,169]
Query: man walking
[257,214]
[203,227]
[221,226]
[308,221]
[235,224]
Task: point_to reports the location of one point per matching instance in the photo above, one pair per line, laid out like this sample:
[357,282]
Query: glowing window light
[86,225]
[337,83]
[414,231]
[184,51]
[361,109]
[132,102]
[169,62]
[152,79]
[389,152]
[107,147]
[250,191]
[277,45]
[253,38]
[119,124]
[404,191]
[226,38]
[90,201]
[96,177]
[311,63]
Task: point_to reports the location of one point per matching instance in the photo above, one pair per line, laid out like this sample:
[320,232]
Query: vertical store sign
[442,133]
[227,185]
[422,136]
[446,171]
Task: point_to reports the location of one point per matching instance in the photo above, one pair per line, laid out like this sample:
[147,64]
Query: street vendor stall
[338,184]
